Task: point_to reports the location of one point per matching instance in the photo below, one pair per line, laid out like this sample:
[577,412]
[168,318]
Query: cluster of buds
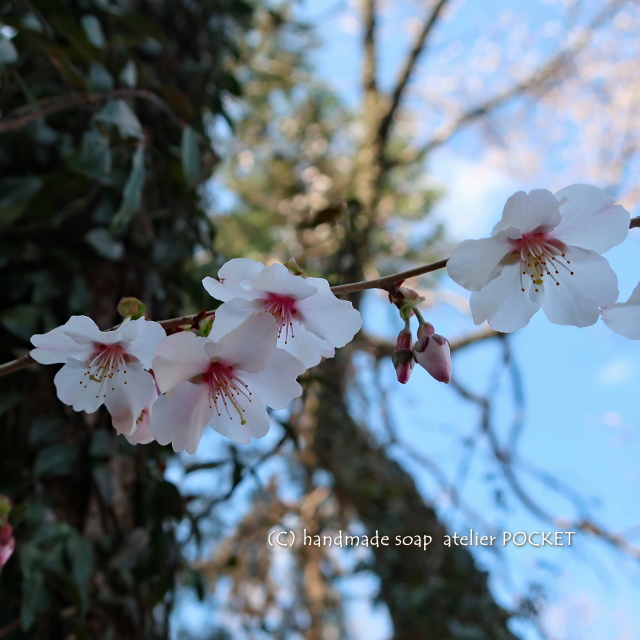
[7,541]
[431,351]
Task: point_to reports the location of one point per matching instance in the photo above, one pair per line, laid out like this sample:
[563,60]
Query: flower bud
[131,307]
[425,330]
[7,543]
[402,357]
[434,354]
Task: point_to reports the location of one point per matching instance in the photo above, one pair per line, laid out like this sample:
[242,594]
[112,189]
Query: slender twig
[378,283]
[21,117]
[408,67]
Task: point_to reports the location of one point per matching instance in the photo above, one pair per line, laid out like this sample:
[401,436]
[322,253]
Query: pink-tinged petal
[276,385]
[277,279]
[125,402]
[435,357]
[256,422]
[75,390]
[232,314]
[328,317]
[305,345]
[7,543]
[577,299]
[474,263]
[249,346]
[58,346]
[590,218]
[533,211]
[236,280]
[144,342]
[623,318]
[502,303]
[180,416]
[142,434]
[634,298]
[179,357]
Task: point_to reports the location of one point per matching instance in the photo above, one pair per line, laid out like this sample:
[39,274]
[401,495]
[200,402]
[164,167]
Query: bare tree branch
[536,80]
[408,68]
[21,117]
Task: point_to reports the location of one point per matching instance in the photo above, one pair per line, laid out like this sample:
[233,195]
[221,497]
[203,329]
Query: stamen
[104,366]
[225,387]
[283,309]
[540,255]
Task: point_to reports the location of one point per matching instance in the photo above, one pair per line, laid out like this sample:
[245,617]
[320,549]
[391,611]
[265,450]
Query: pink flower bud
[425,330]
[7,543]
[434,354]
[402,357]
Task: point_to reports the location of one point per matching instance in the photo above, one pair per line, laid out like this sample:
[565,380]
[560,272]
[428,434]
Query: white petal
[232,314]
[634,298]
[276,385]
[277,279]
[474,263]
[249,346]
[577,299]
[590,218]
[179,357]
[58,346]
[144,341]
[623,318]
[305,345]
[125,402]
[503,303]
[536,210]
[236,280]
[180,416]
[74,389]
[328,317]
[256,424]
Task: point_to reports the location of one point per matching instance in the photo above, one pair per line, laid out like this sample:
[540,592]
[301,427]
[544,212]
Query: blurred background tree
[111,121]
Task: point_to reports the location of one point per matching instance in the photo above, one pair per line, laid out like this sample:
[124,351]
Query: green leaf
[8,400]
[119,114]
[44,430]
[22,320]
[93,158]
[104,244]
[76,37]
[190,154]
[93,29]
[99,78]
[15,195]
[132,192]
[8,52]
[36,599]
[129,74]
[55,460]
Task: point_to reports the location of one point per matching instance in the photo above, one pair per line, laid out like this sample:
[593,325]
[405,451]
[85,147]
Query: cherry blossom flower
[222,381]
[624,317]
[142,433]
[545,252]
[103,367]
[311,320]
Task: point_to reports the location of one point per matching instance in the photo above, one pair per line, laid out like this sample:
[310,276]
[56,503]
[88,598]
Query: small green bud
[131,308]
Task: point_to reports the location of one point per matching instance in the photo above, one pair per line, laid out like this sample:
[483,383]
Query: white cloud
[616,371]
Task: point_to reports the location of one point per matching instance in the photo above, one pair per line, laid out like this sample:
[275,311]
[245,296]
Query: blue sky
[581,420]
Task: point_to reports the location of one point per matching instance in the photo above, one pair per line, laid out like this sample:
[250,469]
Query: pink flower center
[283,309]
[225,389]
[540,255]
[107,361]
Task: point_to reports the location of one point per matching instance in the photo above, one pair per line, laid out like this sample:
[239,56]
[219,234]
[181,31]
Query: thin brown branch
[369,66]
[26,360]
[382,283]
[409,66]
[379,283]
[21,117]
